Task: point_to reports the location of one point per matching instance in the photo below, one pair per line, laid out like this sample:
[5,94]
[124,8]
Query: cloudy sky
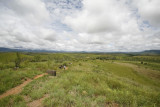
[80,25]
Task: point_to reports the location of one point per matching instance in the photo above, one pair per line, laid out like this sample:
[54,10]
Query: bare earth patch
[37,103]
[111,104]
[19,88]
[38,76]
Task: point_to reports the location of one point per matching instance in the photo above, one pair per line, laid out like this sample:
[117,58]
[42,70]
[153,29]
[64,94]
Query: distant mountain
[2,49]
[7,49]
[151,52]
[23,50]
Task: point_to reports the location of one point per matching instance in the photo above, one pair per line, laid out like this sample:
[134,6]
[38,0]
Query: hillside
[103,80]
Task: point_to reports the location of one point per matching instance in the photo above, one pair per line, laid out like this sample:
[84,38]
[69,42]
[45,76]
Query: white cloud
[24,24]
[113,24]
[100,16]
[149,11]
[88,25]
[33,11]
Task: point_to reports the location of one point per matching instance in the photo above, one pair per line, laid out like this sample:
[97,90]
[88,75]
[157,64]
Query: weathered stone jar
[51,72]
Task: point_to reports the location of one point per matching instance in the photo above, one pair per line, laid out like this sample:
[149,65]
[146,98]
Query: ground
[97,80]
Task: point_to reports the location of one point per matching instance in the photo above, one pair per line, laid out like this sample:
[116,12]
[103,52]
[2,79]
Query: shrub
[18,60]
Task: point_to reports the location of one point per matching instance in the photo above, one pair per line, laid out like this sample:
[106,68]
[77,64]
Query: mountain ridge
[3,49]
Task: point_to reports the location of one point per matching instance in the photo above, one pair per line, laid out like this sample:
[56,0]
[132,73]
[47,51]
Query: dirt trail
[148,72]
[38,76]
[37,103]
[19,88]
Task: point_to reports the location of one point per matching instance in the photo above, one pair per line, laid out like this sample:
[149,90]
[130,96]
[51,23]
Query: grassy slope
[87,83]
[10,78]
[94,83]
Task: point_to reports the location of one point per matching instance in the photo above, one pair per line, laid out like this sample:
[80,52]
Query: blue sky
[80,25]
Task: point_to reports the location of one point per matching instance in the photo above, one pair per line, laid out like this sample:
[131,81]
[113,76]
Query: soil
[37,103]
[19,88]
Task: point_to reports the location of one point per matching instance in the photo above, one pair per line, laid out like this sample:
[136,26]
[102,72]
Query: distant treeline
[12,59]
[154,58]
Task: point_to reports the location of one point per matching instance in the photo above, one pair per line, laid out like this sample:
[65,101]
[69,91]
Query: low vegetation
[112,80]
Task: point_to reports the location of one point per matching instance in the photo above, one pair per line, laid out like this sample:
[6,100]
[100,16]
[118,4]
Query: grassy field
[91,80]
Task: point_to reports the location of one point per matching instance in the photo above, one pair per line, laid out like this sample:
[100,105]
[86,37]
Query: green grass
[7,57]
[77,87]
[150,65]
[13,101]
[86,82]
[10,78]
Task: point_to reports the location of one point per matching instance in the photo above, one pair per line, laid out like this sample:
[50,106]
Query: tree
[18,60]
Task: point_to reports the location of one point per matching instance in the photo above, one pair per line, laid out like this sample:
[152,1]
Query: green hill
[100,80]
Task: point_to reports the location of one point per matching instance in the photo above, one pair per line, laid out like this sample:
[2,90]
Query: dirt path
[148,72]
[19,88]
[38,76]
[37,103]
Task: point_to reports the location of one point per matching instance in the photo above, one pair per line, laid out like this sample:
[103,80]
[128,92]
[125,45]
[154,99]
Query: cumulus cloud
[80,25]
[149,11]
[24,24]
[115,24]
[99,16]
[33,11]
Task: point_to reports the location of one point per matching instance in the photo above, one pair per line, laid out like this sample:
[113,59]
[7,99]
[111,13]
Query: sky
[80,25]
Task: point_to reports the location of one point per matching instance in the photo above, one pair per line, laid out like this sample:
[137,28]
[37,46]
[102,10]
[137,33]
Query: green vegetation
[13,101]
[10,78]
[89,80]
[18,60]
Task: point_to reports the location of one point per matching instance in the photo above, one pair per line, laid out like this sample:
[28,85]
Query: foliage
[18,60]
[37,58]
